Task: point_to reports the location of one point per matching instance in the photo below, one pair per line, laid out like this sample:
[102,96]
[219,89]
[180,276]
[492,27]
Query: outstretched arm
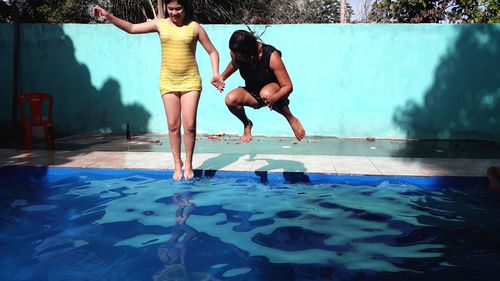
[230,68]
[145,27]
[214,56]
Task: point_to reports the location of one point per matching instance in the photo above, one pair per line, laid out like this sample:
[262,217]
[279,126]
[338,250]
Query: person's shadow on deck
[293,171]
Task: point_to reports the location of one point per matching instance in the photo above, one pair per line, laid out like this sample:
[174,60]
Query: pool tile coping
[235,162]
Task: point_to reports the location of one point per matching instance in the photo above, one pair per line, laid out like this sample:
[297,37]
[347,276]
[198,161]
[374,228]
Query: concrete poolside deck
[271,154]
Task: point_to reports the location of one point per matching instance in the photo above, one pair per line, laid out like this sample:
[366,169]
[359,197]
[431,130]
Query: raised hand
[101,13]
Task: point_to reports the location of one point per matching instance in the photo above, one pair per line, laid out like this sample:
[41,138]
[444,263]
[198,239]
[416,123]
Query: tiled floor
[227,153]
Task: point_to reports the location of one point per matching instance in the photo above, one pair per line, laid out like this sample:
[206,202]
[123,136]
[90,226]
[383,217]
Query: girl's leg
[235,101]
[189,105]
[172,105]
[295,124]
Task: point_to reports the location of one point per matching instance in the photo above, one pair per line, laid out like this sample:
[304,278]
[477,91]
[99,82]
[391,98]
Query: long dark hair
[188,9]
[245,44]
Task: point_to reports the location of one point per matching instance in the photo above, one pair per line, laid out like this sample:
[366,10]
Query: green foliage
[47,11]
[322,11]
[205,11]
[242,11]
[135,11]
[6,11]
[436,11]
[286,11]
[258,11]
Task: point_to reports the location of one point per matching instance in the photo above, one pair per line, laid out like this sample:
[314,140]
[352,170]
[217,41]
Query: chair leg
[49,138]
[27,137]
[52,144]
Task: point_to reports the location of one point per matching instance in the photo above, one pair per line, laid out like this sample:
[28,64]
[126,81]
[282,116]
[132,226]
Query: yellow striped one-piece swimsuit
[179,69]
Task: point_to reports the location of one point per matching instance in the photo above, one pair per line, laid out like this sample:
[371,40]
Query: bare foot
[494,184]
[247,132]
[493,173]
[297,128]
[188,172]
[178,171]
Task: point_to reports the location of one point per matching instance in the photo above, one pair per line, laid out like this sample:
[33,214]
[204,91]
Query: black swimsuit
[259,75]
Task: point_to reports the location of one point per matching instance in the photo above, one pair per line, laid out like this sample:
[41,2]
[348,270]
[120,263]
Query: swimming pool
[98,224]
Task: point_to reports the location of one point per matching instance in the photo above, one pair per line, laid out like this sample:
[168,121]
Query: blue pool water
[78,224]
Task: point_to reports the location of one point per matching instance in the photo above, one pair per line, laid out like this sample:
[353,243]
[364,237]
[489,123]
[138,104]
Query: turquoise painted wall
[6,60]
[382,81]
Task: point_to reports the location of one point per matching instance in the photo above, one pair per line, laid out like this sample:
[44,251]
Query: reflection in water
[172,252]
[237,229]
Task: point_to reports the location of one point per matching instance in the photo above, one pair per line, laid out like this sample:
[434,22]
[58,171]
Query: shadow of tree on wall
[464,101]
[49,64]
[79,107]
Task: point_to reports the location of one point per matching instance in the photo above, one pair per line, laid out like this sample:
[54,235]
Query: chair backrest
[35,102]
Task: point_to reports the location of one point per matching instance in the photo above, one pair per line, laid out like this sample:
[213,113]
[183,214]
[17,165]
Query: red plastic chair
[37,118]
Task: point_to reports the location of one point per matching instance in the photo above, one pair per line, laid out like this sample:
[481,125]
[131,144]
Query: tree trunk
[160,9]
[343,11]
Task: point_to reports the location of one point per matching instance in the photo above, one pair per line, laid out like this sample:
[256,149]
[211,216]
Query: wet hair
[245,44]
[186,5]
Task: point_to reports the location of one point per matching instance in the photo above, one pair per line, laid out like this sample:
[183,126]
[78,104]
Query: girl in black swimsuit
[267,82]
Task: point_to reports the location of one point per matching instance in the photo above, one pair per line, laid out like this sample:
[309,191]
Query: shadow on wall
[49,65]
[464,101]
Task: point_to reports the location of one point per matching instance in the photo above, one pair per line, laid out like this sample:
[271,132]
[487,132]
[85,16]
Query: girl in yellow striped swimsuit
[180,82]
